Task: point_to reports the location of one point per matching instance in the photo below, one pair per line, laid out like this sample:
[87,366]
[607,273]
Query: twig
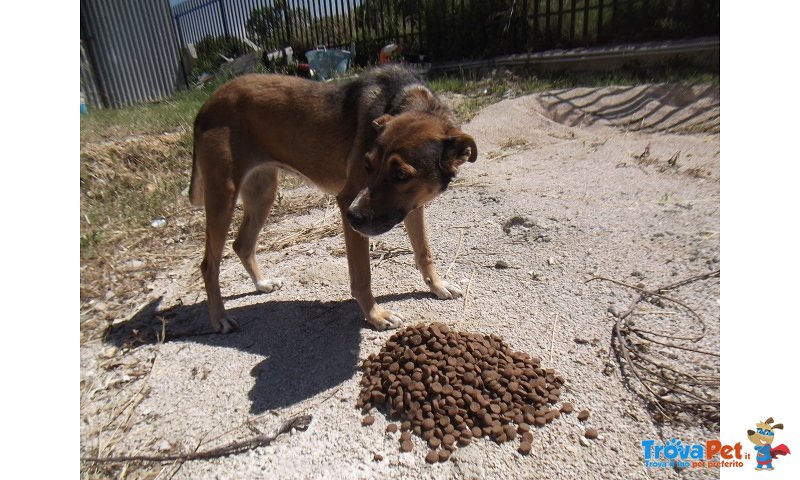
[553,337]
[469,287]
[299,423]
[458,250]
[683,397]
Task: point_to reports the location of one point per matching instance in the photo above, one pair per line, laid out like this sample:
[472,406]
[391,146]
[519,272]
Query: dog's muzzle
[370,226]
[363,219]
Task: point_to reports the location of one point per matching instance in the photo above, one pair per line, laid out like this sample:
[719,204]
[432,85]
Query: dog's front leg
[415,226]
[360,277]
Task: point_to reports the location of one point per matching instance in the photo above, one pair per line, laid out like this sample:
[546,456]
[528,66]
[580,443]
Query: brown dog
[383,144]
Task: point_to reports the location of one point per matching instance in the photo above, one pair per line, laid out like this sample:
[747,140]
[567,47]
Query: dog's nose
[356,219]
[750,432]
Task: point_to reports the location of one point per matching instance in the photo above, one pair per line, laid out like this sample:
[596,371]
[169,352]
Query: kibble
[368,420]
[377,457]
[524,448]
[591,433]
[391,428]
[583,416]
[451,387]
[567,408]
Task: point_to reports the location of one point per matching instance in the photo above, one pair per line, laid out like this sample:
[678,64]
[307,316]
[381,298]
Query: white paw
[446,291]
[269,285]
[384,319]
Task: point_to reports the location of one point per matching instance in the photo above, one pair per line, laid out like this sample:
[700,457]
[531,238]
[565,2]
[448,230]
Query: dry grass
[127,183]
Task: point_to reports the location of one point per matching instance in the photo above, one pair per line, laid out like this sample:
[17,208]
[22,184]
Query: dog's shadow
[308,347]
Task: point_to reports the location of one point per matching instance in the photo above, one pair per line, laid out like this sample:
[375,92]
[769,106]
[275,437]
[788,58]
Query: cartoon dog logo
[763,438]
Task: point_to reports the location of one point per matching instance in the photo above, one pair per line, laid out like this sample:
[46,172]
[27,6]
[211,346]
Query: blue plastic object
[327,63]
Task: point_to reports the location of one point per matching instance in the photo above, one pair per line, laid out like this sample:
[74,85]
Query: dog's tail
[196,191]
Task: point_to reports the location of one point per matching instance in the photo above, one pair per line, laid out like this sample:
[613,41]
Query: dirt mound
[672,108]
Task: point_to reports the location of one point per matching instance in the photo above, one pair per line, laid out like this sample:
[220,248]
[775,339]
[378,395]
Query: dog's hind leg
[219,212]
[258,192]
[415,226]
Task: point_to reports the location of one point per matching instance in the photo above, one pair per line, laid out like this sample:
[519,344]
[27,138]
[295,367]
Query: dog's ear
[779,426]
[457,150]
[381,122]
[768,421]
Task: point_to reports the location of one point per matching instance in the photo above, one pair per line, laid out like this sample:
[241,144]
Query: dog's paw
[269,285]
[446,291]
[225,324]
[383,319]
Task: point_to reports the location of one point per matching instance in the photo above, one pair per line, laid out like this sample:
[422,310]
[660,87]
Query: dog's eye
[400,175]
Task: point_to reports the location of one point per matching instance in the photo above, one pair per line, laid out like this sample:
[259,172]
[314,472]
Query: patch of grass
[506,82]
[168,115]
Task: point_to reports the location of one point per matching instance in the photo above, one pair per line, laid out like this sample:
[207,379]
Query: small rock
[636,273]
[501,264]
[109,352]
[134,264]
[158,222]
[164,446]
[377,457]
[583,442]
[613,311]
[551,261]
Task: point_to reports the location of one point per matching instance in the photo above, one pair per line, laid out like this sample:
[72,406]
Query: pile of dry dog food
[449,387]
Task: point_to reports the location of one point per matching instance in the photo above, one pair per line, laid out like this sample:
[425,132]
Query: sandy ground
[621,182]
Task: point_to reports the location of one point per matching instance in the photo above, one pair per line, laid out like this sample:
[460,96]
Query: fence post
[224,18]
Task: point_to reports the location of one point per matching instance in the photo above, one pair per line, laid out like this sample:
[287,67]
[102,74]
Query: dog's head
[414,158]
[765,432]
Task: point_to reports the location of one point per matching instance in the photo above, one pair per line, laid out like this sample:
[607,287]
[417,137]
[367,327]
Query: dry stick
[638,333]
[667,383]
[625,348]
[469,286]
[458,250]
[553,337]
[251,421]
[648,293]
[299,423]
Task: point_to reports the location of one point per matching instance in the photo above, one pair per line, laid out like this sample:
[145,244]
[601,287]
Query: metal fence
[132,51]
[129,52]
[445,29]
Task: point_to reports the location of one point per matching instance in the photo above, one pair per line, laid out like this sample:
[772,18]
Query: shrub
[211,50]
